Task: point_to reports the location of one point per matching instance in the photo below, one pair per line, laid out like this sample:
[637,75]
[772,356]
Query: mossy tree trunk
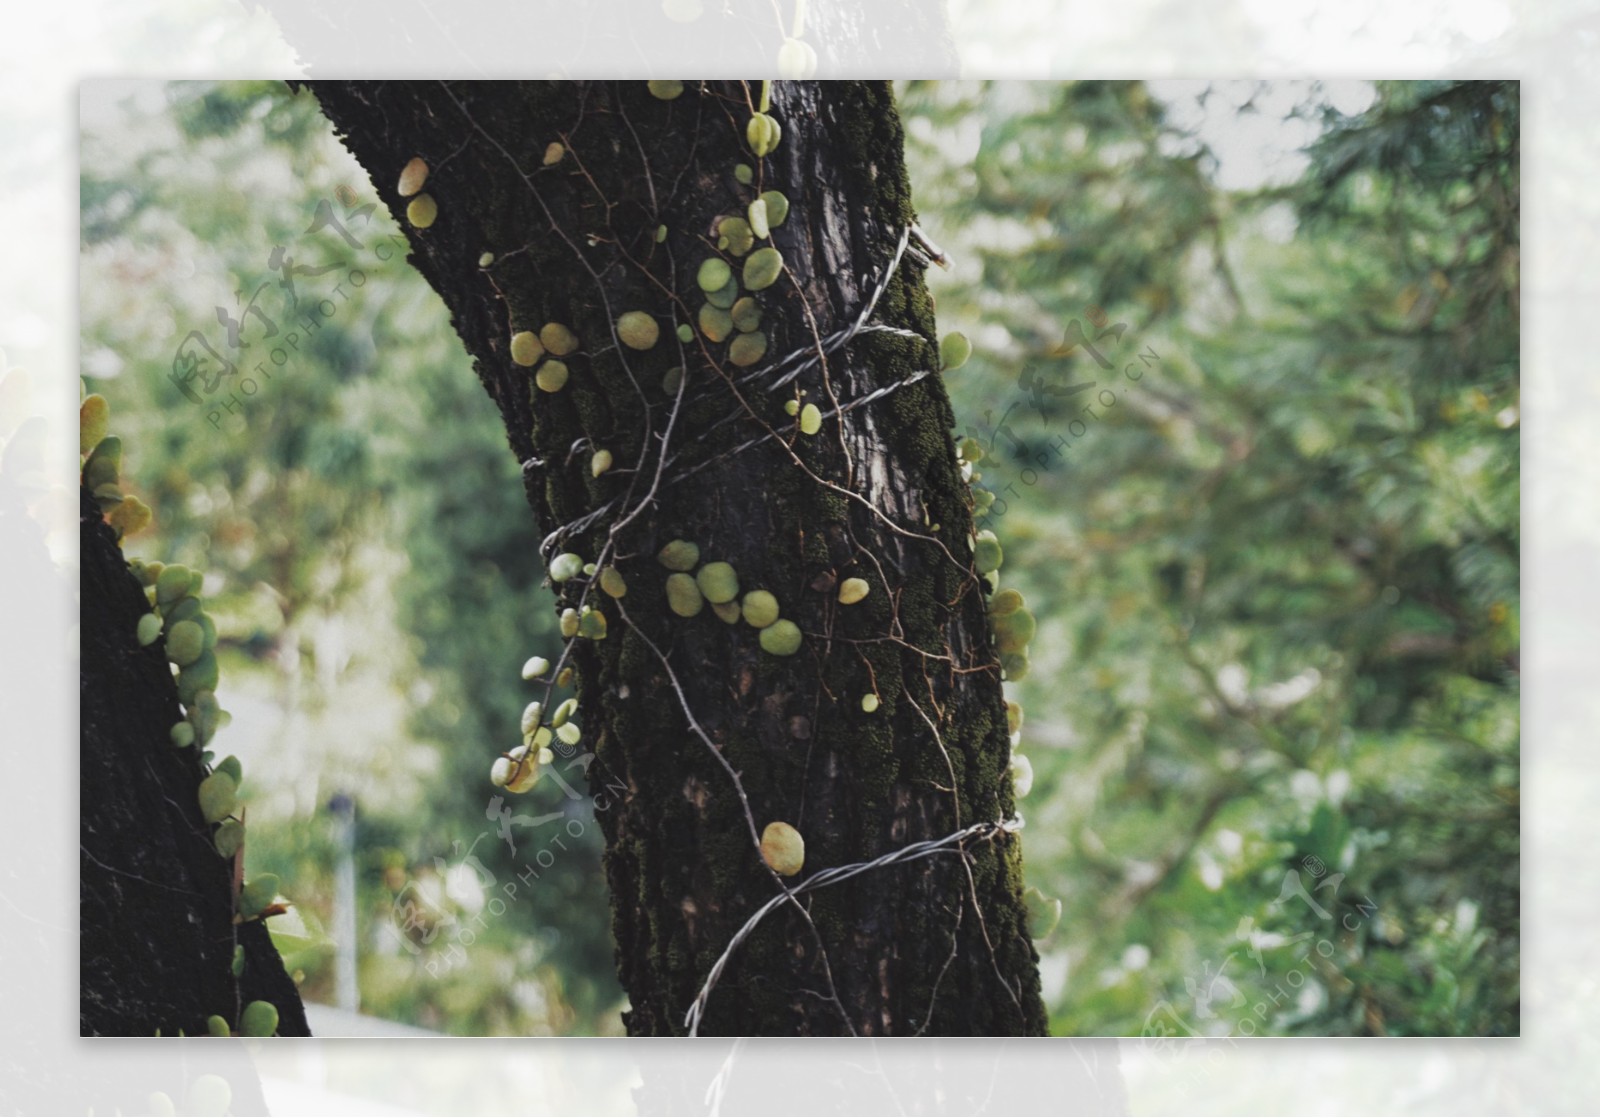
[710,736]
[156,905]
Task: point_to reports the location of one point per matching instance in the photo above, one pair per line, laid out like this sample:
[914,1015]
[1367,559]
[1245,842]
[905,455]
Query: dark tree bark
[156,899]
[708,737]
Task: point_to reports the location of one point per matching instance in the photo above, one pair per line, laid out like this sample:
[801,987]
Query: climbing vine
[178,626]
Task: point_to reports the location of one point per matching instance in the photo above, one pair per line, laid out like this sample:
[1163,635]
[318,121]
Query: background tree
[577,205]
[1280,564]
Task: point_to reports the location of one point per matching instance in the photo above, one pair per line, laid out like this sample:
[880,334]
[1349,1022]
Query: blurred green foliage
[1273,705]
[1273,709]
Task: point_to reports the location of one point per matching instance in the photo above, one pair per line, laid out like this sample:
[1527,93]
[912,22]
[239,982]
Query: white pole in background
[347,994]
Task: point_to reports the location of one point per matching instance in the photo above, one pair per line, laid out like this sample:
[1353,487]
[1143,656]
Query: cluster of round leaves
[969,454]
[1014,626]
[259,1018]
[588,621]
[809,416]
[100,455]
[1010,620]
[178,619]
[782,847]
[762,133]
[422,211]
[188,636]
[731,313]
[550,345]
[717,583]
[172,589]
[518,770]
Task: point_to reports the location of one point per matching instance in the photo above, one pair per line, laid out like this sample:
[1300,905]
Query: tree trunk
[700,738]
[155,898]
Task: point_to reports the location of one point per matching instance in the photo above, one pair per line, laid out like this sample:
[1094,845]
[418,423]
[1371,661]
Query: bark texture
[155,898]
[699,737]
